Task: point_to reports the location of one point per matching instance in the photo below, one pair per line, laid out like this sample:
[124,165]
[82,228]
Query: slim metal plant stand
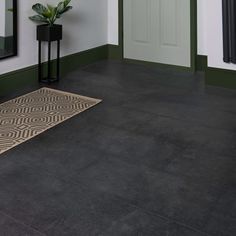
[49,34]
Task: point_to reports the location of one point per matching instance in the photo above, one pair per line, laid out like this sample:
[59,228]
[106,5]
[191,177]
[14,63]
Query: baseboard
[216,76]
[220,77]
[201,63]
[28,76]
[115,52]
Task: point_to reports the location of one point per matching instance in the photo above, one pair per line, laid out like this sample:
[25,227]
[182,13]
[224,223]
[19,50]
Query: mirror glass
[8,28]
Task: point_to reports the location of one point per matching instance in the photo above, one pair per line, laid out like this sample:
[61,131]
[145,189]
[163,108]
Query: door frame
[193,38]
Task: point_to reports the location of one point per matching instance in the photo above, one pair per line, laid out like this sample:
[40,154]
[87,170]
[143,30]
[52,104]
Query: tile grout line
[143,209]
[164,217]
[21,223]
[179,119]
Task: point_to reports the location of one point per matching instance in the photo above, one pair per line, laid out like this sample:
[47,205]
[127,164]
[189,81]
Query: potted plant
[49,14]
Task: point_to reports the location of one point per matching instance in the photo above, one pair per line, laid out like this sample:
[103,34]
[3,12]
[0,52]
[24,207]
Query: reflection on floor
[157,157]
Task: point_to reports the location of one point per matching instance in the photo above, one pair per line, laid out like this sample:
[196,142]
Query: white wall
[84,27]
[215,37]
[202,12]
[210,38]
[113,22]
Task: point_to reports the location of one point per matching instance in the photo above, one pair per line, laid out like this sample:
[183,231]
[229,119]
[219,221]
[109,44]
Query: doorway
[142,13]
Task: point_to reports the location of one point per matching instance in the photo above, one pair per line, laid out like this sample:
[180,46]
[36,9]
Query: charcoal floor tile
[140,223]
[219,225]
[222,220]
[63,163]
[156,157]
[203,166]
[89,213]
[135,148]
[171,196]
[55,207]
[11,227]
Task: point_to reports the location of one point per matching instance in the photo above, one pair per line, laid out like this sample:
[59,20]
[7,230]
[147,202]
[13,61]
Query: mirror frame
[15,36]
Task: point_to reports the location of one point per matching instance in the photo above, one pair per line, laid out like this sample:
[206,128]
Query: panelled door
[158,31]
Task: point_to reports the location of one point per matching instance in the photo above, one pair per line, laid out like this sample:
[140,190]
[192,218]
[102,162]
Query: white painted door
[157,31]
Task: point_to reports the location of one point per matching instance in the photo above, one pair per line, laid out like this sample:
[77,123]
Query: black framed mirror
[8,28]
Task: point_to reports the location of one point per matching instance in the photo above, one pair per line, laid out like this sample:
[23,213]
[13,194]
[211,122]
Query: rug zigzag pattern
[29,115]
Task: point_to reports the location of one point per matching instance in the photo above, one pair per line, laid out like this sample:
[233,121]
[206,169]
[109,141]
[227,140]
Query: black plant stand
[49,34]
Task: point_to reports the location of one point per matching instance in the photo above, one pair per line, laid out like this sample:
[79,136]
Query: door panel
[141,18]
[138,30]
[157,31]
[168,23]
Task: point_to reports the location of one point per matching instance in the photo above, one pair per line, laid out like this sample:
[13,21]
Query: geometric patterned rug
[25,117]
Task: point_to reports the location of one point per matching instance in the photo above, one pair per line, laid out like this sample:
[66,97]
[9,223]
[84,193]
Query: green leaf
[66,2]
[60,7]
[38,18]
[50,13]
[47,14]
[39,8]
[66,9]
[50,7]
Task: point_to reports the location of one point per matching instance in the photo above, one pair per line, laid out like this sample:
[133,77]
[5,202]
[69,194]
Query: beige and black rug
[24,117]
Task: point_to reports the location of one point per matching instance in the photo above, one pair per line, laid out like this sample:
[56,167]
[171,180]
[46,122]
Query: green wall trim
[28,76]
[17,79]
[201,63]
[121,26]
[193,32]
[221,77]
[114,52]
[2,42]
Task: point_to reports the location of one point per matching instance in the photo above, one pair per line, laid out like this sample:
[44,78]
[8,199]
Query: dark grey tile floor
[157,157]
